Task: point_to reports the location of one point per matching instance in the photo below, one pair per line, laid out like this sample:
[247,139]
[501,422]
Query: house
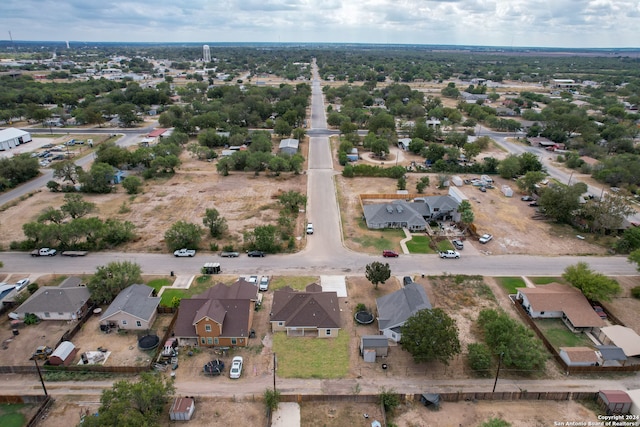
[472,98]
[621,336]
[12,137]
[182,409]
[395,308]
[579,356]
[68,301]
[372,346]
[412,215]
[289,146]
[308,313]
[63,354]
[220,316]
[560,301]
[614,402]
[135,307]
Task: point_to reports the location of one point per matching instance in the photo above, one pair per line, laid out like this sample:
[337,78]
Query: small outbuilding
[63,354]
[614,401]
[507,191]
[579,356]
[372,346]
[289,146]
[182,409]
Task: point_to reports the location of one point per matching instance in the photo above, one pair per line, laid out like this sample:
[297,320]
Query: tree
[479,357]
[422,184]
[594,286]
[76,207]
[132,184]
[630,240]
[562,202]
[282,127]
[635,257]
[66,170]
[527,183]
[430,335]
[292,200]
[509,167]
[183,234]
[608,213]
[216,224]
[402,183]
[263,238]
[98,179]
[135,404]
[271,399]
[110,280]
[377,272]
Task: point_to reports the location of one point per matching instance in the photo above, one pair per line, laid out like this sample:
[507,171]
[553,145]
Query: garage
[13,137]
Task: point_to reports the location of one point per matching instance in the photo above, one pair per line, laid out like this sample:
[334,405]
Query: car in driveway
[253,279]
[485,238]
[255,254]
[21,284]
[457,244]
[407,280]
[236,368]
[264,284]
[389,254]
[229,254]
[600,311]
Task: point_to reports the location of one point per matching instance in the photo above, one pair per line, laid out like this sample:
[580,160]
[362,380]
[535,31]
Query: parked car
[526,198]
[259,254]
[264,283]
[600,311]
[236,367]
[485,238]
[406,280]
[309,228]
[229,254]
[449,254]
[389,254]
[21,284]
[253,279]
[457,244]
[184,252]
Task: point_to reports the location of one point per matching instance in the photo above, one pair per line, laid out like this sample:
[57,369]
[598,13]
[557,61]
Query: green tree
[66,170]
[132,184]
[430,335]
[630,240]
[422,184]
[635,257]
[402,183]
[76,207]
[561,203]
[479,357]
[183,234]
[509,167]
[282,127]
[608,213]
[377,272]
[271,399]
[224,165]
[292,201]
[134,404]
[263,238]
[98,179]
[527,183]
[110,280]
[216,223]
[594,286]
[388,399]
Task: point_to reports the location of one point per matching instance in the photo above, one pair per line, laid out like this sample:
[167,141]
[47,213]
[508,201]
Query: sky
[508,23]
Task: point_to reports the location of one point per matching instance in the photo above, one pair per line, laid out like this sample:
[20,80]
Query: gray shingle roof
[395,308]
[55,300]
[135,300]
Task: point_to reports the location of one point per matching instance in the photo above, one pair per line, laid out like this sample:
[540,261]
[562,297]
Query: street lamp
[495,383]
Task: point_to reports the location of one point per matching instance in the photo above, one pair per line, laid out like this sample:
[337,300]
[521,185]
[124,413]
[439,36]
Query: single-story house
[395,308]
[621,336]
[610,355]
[471,98]
[412,215]
[312,312]
[560,301]
[135,307]
[63,354]
[63,302]
[614,401]
[289,146]
[12,137]
[372,346]
[182,409]
[579,356]
[220,316]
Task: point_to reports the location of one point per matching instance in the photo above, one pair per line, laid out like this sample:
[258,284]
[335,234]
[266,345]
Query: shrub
[479,356]
[635,292]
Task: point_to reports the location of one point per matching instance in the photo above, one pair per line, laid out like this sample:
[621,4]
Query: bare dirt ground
[624,306]
[339,414]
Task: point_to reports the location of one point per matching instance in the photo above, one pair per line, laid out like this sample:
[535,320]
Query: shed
[507,191]
[579,356]
[289,146]
[372,346]
[13,137]
[457,181]
[63,354]
[182,409]
[614,401]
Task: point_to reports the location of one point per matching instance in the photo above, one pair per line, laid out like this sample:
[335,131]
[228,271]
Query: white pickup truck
[449,254]
[44,252]
[185,252]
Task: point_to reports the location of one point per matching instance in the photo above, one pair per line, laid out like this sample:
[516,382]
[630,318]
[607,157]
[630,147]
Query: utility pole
[495,383]
[275,362]
[35,360]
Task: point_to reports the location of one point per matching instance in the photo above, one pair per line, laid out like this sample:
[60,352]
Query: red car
[389,254]
[600,311]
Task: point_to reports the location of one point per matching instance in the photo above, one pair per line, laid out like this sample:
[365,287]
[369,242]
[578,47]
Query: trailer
[74,253]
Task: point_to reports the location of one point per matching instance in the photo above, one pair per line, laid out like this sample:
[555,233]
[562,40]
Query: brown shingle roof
[580,354]
[306,309]
[567,299]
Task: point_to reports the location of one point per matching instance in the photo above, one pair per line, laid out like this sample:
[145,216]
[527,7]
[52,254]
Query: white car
[236,367]
[485,238]
[184,252]
[21,284]
[264,283]
[309,228]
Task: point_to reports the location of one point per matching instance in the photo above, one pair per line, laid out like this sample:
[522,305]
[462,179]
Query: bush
[479,357]
[389,399]
[635,292]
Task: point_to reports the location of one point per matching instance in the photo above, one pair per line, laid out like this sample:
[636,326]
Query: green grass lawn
[419,245]
[444,245]
[295,282]
[511,283]
[560,336]
[545,280]
[308,357]
[10,415]
[379,239]
[157,284]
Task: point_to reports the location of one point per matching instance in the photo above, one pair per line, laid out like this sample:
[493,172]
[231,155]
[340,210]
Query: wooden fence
[42,410]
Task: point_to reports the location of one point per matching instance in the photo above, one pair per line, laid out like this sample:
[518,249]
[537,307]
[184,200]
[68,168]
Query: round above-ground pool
[364,317]
[148,342]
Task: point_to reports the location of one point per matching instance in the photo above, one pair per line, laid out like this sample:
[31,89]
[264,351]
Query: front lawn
[295,282]
[511,283]
[420,245]
[546,280]
[311,357]
[560,336]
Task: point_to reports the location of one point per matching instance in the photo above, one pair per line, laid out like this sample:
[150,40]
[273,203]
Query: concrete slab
[334,283]
[287,415]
